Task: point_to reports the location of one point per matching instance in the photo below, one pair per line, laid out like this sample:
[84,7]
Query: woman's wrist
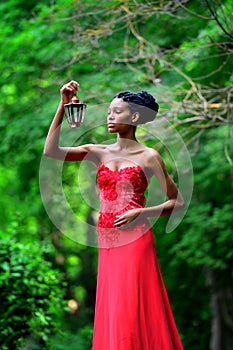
[154,211]
[62,104]
[59,113]
[142,213]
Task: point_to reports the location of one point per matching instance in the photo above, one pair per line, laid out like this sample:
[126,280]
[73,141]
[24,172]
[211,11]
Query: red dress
[132,308]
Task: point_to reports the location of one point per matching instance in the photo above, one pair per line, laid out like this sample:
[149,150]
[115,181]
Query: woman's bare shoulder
[152,155]
[152,159]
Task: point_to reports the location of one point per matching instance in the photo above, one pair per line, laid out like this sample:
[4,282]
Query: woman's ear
[135,117]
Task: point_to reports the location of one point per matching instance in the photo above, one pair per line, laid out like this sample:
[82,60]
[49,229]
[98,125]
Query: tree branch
[217,20]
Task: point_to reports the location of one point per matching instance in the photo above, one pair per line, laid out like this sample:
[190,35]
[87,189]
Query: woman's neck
[126,142]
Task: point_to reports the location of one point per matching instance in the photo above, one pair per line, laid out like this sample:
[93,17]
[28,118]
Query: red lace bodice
[119,191]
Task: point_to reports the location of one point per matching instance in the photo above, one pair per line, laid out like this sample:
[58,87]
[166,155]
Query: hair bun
[142,98]
[148,100]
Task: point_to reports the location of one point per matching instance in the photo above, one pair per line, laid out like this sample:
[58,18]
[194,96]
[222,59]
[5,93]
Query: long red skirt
[132,307]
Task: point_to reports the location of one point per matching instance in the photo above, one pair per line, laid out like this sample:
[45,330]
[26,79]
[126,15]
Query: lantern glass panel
[75,113]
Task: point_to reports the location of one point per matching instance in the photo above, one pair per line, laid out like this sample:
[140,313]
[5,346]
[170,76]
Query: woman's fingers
[74,85]
[71,86]
[121,220]
[69,90]
[127,217]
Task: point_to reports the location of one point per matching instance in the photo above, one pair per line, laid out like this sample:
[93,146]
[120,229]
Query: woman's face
[119,116]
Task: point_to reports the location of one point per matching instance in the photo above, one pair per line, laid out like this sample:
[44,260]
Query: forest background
[181,52]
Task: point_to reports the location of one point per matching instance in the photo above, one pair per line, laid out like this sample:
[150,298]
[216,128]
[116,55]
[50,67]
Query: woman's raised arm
[52,148]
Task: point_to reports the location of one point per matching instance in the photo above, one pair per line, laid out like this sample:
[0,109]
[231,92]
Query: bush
[31,295]
[81,339]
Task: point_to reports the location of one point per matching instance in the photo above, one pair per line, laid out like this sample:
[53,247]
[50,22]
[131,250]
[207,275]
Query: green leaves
[29,289]
[208,226]
[180,53]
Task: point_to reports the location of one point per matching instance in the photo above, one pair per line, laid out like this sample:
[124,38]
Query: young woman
[132,308]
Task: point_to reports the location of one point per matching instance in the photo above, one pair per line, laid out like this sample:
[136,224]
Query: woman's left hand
[127,217]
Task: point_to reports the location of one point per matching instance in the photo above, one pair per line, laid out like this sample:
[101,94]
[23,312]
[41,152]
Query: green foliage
[81,339]
[208,225]
[176,50]
[31,292]
[208,240]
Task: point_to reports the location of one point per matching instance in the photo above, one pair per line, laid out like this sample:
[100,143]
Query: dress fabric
[132,309]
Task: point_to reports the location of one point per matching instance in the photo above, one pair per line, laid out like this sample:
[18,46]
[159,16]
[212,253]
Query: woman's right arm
[52,148]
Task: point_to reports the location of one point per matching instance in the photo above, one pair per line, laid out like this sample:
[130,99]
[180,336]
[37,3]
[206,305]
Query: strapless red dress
[132,307]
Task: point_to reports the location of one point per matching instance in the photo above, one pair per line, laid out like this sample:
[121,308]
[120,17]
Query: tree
[180,52]
[207,241]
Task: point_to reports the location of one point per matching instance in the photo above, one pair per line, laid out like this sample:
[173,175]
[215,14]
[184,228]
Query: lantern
[75,112]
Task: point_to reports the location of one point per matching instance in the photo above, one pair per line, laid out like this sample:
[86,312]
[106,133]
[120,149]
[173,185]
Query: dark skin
[126,152]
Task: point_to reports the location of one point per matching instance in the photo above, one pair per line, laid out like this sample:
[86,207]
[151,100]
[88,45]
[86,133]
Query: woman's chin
[111,130]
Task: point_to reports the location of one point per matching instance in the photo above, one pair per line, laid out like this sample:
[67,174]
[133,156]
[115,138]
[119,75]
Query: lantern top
[75,99]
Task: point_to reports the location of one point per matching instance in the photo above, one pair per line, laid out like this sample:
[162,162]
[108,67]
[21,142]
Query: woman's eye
[116,112]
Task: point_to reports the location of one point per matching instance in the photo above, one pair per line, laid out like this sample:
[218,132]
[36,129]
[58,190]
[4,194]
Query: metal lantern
[75,112]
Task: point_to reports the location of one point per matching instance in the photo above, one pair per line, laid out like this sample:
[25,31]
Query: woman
[132,308]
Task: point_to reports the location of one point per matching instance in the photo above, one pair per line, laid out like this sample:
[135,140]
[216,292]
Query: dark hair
[141,102]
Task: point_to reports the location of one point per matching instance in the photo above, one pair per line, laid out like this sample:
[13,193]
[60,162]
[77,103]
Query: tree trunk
[221,298]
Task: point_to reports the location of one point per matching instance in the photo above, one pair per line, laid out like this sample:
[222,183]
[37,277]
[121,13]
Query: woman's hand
[128,217]
[68,91]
